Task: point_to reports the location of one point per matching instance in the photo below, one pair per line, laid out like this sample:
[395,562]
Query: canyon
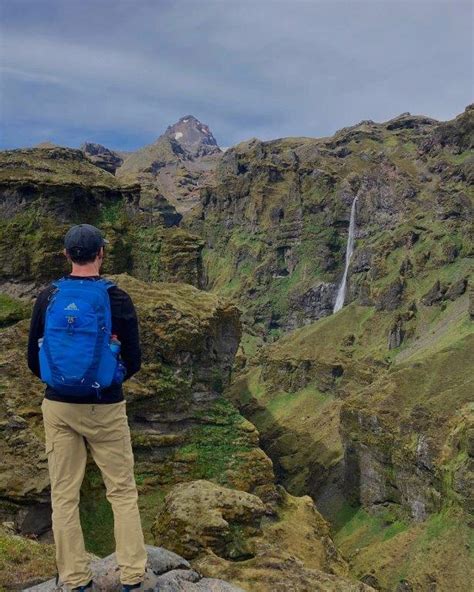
[304,416]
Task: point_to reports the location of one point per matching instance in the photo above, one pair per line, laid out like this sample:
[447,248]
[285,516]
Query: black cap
[84,240]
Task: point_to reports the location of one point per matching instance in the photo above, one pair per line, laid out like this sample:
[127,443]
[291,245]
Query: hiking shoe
[130,587]
[86,588]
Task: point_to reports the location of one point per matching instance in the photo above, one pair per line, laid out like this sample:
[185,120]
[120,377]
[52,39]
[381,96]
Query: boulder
[201,515]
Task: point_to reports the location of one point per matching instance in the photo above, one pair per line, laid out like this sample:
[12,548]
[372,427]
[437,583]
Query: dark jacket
[124,325]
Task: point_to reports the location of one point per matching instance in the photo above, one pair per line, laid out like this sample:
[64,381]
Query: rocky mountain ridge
[172,169]
[102,157]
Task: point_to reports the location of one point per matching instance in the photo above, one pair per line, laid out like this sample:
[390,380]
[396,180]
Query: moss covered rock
[182,428]
[201,515]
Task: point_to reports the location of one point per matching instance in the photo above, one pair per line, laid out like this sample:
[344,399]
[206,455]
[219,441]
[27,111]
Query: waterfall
[341,292]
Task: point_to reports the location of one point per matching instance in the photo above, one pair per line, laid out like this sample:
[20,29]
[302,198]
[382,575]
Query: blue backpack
[75,355]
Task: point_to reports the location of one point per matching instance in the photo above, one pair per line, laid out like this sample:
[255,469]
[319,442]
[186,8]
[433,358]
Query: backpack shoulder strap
[57,283]
[105,283]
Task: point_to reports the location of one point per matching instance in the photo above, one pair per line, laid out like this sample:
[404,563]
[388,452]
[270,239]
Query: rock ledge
[166,572]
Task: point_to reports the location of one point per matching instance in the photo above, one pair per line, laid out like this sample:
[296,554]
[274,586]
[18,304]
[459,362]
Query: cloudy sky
[119,72]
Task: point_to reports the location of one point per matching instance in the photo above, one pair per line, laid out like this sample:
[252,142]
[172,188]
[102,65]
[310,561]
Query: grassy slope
[301,426]
[439,550]
[12,310]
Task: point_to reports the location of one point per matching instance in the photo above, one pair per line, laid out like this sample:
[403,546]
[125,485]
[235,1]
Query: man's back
[124,325]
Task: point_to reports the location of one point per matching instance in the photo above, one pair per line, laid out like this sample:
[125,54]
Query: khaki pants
[68,426]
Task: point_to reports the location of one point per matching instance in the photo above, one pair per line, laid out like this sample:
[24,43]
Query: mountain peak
[192,135]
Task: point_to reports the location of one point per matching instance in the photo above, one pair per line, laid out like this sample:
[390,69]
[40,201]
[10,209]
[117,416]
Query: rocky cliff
[43,191]
[275,222]
[369,410]
[176,410]
[380,438]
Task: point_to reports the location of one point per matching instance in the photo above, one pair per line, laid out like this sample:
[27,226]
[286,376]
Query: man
[94,416]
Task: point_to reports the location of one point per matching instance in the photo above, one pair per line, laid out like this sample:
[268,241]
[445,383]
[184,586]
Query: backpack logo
[72,306]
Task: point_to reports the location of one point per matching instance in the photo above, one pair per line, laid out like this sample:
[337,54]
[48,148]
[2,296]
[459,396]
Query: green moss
[150,499]
[54,165]
[165,388]
[96,512]
[282,402]
[346,513]
[216,443]
[112,213]
[368,528]
[217,380]
[12,310]
[461,157]
[250,344]
[443,545]
[96,515]
[253,387]
[146,244]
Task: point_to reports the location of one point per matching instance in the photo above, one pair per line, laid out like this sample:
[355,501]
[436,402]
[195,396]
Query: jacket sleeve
[36,331]
[126,328]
